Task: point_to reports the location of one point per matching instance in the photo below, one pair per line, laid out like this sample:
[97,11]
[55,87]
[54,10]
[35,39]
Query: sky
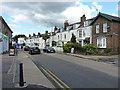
[33,17]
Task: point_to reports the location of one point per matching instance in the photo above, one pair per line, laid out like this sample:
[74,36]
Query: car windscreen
[34,48]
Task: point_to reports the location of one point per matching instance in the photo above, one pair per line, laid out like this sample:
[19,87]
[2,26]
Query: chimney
[46,32]
[66,24]
[55,28]
[39,34]
[83,18]
[29,35]
[34,34]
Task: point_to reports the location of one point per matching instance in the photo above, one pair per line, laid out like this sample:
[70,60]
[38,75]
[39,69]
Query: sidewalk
[32,75]
[109,59]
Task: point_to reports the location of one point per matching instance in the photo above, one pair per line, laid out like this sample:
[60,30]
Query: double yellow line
[59,82]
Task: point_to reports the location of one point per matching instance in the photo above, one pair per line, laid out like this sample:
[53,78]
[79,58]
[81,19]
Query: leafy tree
[73,38]
[15,38]
[45,37]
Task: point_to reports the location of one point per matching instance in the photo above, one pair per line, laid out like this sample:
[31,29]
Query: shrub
[78,47]
[90,49]
[107,50]
[67,47]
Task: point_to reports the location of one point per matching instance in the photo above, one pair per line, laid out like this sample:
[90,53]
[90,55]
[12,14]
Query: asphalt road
[76,72]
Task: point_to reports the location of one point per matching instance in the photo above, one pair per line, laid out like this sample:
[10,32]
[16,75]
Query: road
[76,72]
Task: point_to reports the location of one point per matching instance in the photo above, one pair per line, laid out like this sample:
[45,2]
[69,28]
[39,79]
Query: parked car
[26,48]
[49,50]
[34,50]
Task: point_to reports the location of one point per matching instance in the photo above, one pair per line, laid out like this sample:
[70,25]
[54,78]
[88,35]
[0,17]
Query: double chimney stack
[82,19]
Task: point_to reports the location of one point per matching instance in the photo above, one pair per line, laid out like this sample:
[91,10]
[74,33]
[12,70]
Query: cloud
[48,13]
[18,18]
[14,26]
[96,7]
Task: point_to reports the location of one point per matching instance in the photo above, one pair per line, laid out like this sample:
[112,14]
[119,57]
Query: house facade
[35,40]
[5,36]
[105,32]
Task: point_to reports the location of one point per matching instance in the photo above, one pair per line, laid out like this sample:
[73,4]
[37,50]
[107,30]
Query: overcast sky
[32,17]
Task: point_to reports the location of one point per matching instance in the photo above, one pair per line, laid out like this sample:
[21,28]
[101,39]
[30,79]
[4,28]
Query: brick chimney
[29,35]
[46,32]
[66,24]
[39,34]
[55,29]
[34,34]
[83,18]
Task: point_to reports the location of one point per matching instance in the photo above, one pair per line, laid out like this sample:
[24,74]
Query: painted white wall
[39,40]
[21,40]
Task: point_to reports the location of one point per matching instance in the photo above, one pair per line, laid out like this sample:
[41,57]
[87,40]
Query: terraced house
[105,32]
[5,36]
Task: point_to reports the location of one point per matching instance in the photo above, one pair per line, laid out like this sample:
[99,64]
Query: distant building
[5,36]
[35,40]
[21,41]
[106,32]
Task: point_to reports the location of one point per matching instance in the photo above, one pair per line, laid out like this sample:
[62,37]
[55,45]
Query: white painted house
[35,41]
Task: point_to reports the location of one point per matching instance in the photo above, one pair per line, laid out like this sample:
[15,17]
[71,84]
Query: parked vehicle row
[36,50]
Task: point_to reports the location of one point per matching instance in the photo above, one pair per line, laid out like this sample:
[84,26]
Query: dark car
[34,50]
[49,50]
[26,48]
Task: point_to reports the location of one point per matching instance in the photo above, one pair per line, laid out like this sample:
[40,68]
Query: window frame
[97,29]
[102,42]
[105,28]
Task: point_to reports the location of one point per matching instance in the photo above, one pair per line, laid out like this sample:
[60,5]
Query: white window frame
[97,28]
[101,42]
[80,33]
[65,36]
[105,27]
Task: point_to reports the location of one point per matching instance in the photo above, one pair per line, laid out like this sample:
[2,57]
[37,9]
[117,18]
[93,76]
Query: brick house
[105,32]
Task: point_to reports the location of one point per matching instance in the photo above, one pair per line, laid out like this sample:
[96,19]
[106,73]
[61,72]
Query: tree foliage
[73,38]
[45,36]
[15,38]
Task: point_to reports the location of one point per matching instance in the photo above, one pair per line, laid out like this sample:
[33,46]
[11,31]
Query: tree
[73,38]
[45,37]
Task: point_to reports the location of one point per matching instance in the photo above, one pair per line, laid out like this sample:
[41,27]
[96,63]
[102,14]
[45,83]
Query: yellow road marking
[54,79]
[59,80]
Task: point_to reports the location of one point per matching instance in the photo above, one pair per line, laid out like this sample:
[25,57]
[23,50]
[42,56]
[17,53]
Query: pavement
[33,77]
[113,59]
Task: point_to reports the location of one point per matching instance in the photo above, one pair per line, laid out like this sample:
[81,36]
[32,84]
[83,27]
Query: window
[105,27]
[80,33]
[101,42]
[65,36]
[97,28]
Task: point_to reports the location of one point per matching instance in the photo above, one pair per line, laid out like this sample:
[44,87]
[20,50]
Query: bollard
[21,79]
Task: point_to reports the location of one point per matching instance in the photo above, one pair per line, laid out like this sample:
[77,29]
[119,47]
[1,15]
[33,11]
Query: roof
[109,17]
[1,18]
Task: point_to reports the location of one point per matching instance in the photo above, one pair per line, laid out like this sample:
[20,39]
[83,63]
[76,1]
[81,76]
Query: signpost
[12,52]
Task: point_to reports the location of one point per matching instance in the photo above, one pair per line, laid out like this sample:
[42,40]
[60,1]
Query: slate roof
[109,17]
